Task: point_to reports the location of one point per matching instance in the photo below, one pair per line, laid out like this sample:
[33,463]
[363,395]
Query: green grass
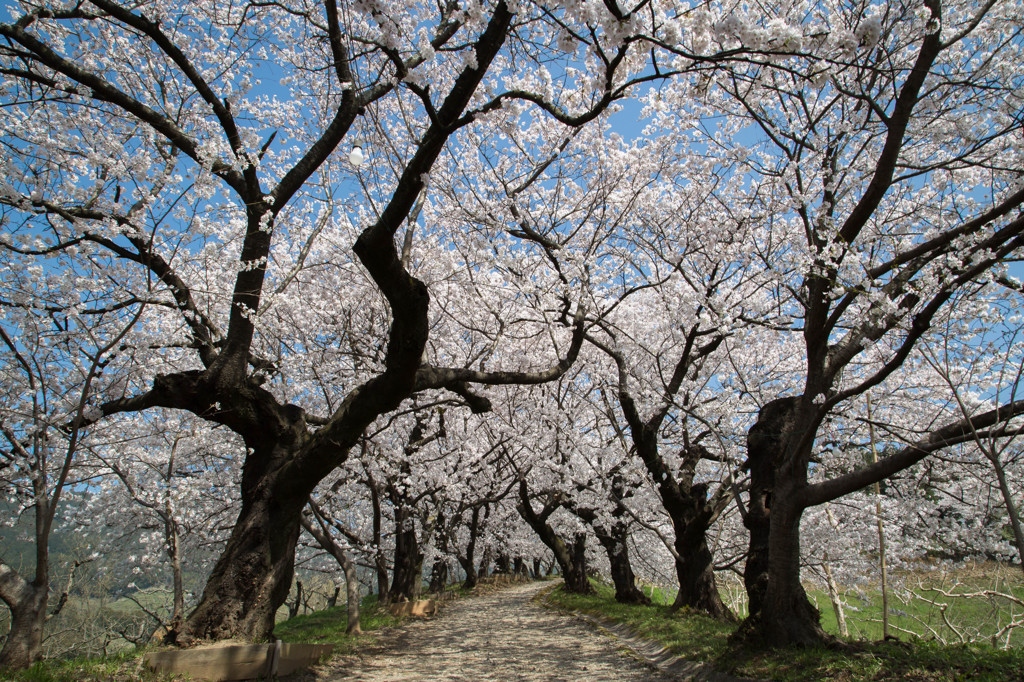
[321,627]
[911,613]
[124,667]
[696,637]
[328,626]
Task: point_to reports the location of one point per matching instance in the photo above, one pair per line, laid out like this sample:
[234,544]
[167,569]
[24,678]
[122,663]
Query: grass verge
[321,627]
[122,667]
[696,637]
[328,626]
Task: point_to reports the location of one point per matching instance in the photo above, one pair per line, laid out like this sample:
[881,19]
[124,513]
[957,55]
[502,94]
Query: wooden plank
[295,657]
[215,663]
[423,608]
[231,662]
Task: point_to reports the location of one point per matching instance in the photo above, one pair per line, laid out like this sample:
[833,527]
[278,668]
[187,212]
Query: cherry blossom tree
[53,364]
[144,143]
[827,181]
[164,494]
[890,181]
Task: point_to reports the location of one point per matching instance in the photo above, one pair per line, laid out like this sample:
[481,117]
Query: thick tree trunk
[691,512]
[780,612]
[787,616]
[253,575]
[407,580]
[574,566]
[26,599]
[695,571]
[695,568]
[470,570]
[765,444]
[623,578]
[614,540]
[571,561]
[27,604]
[537,569]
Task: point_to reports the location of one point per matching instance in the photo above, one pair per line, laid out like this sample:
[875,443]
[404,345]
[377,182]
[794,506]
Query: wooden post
[881,529]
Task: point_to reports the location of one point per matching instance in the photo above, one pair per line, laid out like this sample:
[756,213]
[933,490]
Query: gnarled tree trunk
[574,570]
[253,575]
[407,579]
[695,568]
[571,561]
[765,444]
[614,540]
[687,504]
[780,612]
[27,603]
[787,616]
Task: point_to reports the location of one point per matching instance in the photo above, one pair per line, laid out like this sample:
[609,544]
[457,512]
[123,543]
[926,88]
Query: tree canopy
[608,269]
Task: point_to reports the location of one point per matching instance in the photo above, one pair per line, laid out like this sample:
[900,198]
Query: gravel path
[503,636]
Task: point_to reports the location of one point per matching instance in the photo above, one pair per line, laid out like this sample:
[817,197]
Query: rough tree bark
[407,576]
[614,540]
[784,437]
[27,603]
[692,512]
[253,575]
[766,441]
[571,560]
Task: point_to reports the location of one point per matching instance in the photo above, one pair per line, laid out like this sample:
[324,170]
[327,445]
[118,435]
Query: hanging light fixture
[356,156]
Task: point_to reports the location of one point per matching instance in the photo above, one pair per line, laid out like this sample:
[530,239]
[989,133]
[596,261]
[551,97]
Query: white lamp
[356,156]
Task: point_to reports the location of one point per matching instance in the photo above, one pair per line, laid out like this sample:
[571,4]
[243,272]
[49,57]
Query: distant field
[916,605]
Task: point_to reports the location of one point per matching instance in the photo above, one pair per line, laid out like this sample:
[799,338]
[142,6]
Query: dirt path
[499,636]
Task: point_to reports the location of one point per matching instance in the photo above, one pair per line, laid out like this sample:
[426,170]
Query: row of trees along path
[823,209]
[503,635]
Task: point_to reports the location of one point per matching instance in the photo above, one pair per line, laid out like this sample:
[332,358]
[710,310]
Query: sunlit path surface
[500,636]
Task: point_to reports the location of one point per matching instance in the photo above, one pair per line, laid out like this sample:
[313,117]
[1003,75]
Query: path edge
[647,651]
